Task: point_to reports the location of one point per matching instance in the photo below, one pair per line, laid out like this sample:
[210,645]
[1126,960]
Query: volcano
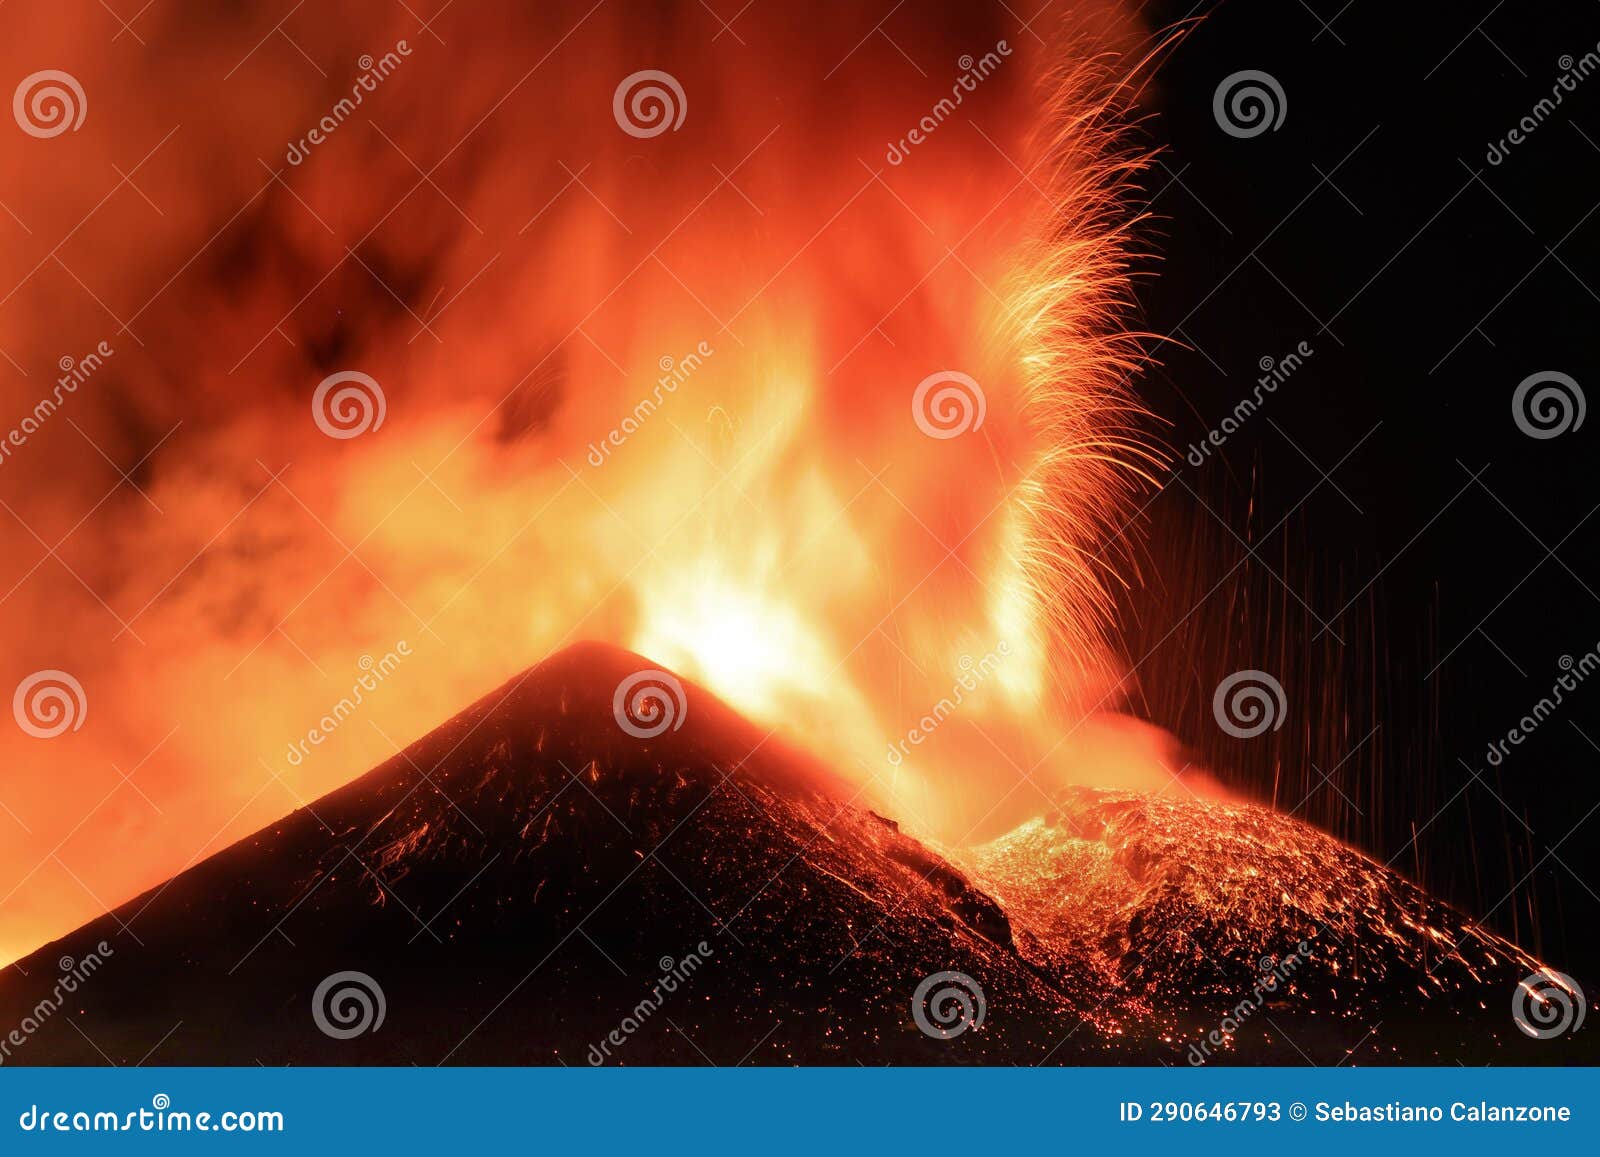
[543,880]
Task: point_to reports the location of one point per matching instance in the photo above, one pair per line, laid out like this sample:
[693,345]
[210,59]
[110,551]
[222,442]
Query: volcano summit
[576,870]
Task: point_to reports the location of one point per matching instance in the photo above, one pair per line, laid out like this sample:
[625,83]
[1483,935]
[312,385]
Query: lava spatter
[514,881]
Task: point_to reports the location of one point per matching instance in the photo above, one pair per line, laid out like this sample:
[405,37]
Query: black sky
[1450,556]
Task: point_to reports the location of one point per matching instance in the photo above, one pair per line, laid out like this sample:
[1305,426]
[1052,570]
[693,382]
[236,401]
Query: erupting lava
[855,551]
[838,427]
[782,359]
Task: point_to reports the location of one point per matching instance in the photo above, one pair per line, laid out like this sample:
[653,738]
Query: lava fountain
[789,354]
[803,371]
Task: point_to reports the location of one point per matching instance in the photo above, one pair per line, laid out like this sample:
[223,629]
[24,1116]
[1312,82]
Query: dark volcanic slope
[518,882]
[555,860]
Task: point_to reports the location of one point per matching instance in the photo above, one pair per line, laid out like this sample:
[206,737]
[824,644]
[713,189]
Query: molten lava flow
[814,392]
[1137,903]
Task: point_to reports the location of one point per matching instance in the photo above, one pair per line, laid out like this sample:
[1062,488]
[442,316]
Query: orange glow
[651,390]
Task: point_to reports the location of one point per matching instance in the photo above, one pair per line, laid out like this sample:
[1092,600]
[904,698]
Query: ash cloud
[482,239]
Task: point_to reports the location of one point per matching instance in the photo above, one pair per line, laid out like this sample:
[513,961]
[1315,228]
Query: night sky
[1381,534]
